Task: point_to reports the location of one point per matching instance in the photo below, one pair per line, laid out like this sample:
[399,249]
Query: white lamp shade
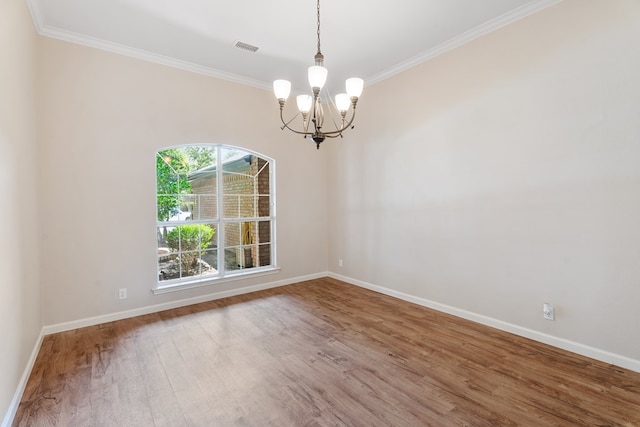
[317,76]
[354,87]
[342,102]
[282,88]
[304,103]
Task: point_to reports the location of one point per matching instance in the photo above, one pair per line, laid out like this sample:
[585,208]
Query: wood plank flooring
[317,353]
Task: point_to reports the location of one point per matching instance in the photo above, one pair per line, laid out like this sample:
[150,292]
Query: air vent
[245,46]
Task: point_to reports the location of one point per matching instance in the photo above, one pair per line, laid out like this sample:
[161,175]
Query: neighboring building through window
[215,215]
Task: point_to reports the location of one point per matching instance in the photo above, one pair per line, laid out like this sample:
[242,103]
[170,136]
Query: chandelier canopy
[312,108]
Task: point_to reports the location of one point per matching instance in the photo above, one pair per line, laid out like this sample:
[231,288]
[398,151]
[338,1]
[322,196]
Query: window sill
[164,289]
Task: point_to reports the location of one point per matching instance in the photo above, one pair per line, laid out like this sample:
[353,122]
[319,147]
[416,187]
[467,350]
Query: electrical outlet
[340,263]
[548,311]
[122,293]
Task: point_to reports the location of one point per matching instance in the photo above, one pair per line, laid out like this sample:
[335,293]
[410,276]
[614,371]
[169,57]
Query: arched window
[215,213]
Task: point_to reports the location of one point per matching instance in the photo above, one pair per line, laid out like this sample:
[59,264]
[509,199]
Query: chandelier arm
[286,125]
[318,115]
[337,132]
[333,118]
[337,127]
[305,125]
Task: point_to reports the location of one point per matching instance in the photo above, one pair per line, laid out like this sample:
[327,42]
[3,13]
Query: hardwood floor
[318,353]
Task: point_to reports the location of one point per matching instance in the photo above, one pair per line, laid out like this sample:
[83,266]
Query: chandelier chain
[318,13]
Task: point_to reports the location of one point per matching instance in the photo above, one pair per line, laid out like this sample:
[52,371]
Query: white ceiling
[363,38]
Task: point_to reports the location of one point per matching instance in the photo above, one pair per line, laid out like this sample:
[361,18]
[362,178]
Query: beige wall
[104,117]
[19,288]
[505,174]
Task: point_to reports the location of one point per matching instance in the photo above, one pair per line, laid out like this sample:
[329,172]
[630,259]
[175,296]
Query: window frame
[220,223]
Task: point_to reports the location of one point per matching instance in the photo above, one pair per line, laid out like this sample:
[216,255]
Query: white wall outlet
[340,263]
[548,311]
[122,293]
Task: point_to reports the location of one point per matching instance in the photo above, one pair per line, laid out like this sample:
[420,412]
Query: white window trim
[242,275]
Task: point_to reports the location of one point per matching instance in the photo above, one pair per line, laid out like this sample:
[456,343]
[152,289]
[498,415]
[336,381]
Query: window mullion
[220,204]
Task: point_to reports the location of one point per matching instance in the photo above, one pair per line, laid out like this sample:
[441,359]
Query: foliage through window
[214,213]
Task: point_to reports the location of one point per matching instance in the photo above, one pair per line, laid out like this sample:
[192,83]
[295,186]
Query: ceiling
[357,38]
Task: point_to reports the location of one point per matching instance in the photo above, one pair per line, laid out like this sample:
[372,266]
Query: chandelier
[312,109]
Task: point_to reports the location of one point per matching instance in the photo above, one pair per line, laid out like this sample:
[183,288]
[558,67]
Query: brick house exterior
[246,194]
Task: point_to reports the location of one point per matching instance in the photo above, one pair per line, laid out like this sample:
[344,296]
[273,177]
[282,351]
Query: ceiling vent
[245,46]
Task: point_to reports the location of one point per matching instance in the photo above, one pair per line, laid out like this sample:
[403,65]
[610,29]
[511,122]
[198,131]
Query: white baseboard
[564,344]
[17,396]
[96,320]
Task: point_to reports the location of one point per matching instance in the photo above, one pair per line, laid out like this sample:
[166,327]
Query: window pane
[232,233]
[205,207]
[264,232]
[171,182]
[263,238]
[230,154]
[240,257]
[182,212]
[263,257]
[204,188]
[263,183]
[190,237]
[189,265]
[247,206]
[238,239]
[166,206]
[167,260]
[230,206]
[264,206]
[161,233]
[210,257]
[168,267]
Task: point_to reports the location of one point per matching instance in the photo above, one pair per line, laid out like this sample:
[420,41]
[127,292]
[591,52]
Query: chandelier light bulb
[342,102]
[282,89]
[304,103]
[317,76]
[354,87]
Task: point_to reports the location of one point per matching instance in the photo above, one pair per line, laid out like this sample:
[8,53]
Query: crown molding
[93,42]
[466,37]
[36,15]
